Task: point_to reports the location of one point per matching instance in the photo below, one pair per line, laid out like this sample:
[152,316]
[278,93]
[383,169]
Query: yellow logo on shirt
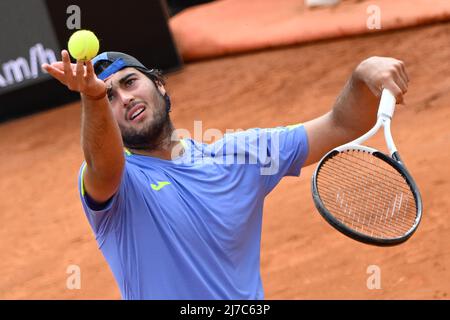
[161,184]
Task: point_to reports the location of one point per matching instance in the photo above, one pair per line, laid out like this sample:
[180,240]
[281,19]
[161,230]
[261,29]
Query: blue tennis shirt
[190,228]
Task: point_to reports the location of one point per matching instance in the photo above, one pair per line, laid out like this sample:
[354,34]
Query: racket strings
[348,215]
[357,177]
[339,206]
[391,174]
[381,192]
[367,194]
[373,222]
[383,179]
[380,214]
[349,211]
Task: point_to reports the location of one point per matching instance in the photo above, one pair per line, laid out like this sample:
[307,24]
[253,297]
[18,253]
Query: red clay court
[44,229]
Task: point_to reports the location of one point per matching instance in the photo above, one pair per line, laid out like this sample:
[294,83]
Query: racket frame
[385,113]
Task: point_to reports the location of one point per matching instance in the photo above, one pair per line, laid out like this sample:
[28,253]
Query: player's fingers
[401,83]
[400,76]
[404,72]
[404,77]
[395,90]
[57,65]
[54,72]
[60,65]
[89,70]
[80,72]
[67,66]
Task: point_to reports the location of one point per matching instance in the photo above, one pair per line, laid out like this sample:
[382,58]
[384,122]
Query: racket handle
[387,104]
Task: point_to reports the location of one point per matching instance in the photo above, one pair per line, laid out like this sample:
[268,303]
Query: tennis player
[179,219]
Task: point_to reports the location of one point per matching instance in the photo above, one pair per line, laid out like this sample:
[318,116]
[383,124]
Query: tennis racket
[366,194]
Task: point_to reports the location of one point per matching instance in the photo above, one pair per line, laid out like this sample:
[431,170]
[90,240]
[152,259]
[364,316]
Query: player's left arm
[355,109]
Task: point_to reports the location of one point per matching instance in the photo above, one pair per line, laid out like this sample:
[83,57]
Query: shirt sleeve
[101,219]
[276,152]
[283,151]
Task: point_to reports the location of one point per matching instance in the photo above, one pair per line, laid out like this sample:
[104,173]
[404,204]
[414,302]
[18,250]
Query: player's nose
[125,98]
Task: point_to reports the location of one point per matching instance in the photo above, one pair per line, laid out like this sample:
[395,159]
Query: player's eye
[130,82]
[110,93]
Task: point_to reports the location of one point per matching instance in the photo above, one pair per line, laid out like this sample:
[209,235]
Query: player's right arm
[100,135]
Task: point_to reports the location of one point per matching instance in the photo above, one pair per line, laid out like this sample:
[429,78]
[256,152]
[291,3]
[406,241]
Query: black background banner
[279,309]
[33,32]
[27,41]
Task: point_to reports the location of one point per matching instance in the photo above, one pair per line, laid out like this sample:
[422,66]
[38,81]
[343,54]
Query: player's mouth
[136,113]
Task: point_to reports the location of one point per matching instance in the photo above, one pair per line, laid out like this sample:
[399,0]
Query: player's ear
[160,87]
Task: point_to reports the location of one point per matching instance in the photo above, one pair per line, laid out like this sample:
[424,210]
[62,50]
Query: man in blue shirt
[178,219]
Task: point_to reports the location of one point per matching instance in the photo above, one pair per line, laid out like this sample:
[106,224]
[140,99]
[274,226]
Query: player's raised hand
[384,73]
[78,77]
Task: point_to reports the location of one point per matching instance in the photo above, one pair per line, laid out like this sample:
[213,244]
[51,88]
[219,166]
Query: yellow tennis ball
[83,45]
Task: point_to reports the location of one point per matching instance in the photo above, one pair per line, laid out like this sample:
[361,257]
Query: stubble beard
[154,134]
